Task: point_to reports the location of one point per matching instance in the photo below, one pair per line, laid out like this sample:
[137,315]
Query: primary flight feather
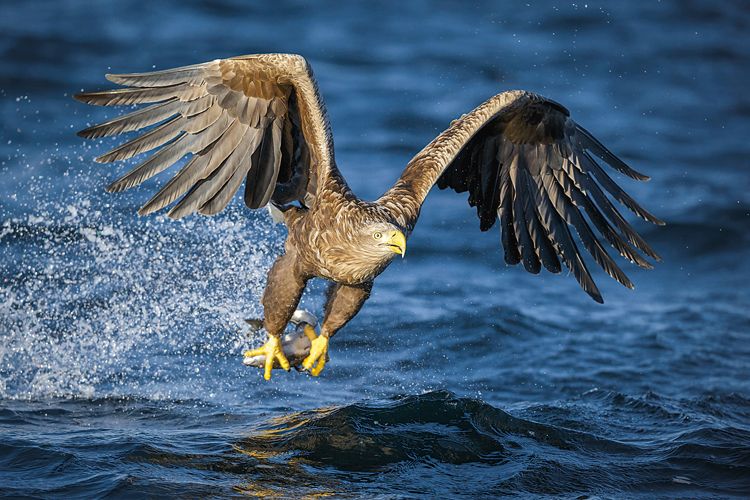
[260,119]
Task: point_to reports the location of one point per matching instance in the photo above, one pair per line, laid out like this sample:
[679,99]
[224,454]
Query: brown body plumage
[260,119]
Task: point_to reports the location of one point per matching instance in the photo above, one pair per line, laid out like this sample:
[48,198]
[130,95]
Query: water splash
[95,301]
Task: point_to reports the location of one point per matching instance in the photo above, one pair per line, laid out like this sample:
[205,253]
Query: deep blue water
[121,337]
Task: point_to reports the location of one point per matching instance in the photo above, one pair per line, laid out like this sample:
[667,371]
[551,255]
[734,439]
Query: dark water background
[121,337]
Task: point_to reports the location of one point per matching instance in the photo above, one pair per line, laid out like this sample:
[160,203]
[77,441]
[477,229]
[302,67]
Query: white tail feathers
[276,214]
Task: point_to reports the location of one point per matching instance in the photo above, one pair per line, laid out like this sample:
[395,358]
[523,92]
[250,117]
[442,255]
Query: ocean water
[121,336]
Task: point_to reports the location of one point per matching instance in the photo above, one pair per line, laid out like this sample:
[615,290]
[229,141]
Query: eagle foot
[273,353]
[318,353]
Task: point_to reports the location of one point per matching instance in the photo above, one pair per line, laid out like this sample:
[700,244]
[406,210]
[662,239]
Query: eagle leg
[280,298]
[343,303]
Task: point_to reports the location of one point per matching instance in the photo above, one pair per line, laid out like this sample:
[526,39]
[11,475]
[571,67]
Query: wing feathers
[614,216]
[616,191]
[227,135]
[573,217]
[566,247]
[261,179]
[586,184]
[490,179]
[230,115]
[530,259]
[505,213]
[133,121]
[544,248]
[539,183]
[163,159]
[221,199]
[201,121]
[205,189]
[580,200]
[146,142]
[592,144]
[197,106]
[194,74]
[126,97]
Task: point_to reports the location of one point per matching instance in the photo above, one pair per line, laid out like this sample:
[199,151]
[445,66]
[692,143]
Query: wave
[440,434]
[431,444]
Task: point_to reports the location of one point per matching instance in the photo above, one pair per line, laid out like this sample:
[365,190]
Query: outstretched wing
[256,118]
[524,161]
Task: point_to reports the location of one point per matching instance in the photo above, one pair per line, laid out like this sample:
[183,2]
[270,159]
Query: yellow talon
[318,352]
[310,332]
[272,351]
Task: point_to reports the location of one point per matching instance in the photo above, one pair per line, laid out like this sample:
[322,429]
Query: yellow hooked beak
[397,243]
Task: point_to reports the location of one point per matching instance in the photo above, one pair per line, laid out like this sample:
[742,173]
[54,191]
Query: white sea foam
[95,301]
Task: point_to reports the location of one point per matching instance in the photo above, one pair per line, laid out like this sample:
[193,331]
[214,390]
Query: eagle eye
[377,235]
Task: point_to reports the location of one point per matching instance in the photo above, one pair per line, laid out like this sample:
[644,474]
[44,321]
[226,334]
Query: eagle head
[383,239]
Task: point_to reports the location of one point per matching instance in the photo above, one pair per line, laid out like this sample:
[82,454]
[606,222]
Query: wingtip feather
[85,133]
[82,97]
[180,210]
[115,187]
[634,174]
[146,210]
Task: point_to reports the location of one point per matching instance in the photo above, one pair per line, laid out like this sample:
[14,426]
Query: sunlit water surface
[121,337]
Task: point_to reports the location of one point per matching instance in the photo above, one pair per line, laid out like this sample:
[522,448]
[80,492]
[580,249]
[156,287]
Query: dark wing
[524,161]
[253,118]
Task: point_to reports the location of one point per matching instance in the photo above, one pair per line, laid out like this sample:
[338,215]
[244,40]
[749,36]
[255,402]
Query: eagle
[260,119]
